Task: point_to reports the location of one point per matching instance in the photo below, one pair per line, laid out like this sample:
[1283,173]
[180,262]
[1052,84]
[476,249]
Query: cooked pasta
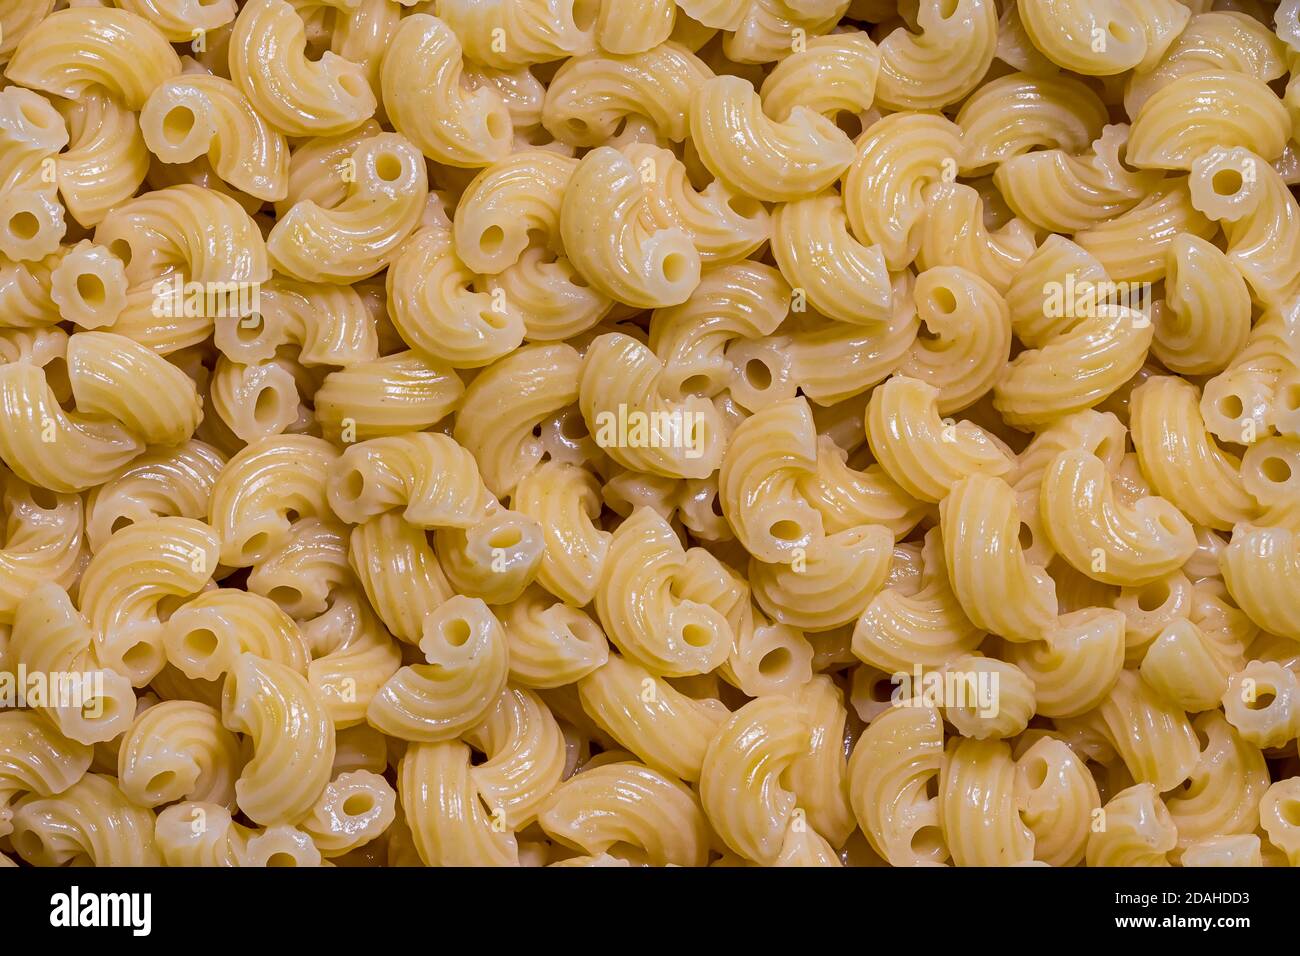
[649,433]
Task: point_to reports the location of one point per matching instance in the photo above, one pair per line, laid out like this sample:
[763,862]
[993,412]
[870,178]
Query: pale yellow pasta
[551,643]
[767,657]
[92,823]
[529,31]
[1056,798]
[293,739]
[43,543]
[1206,316]
[1242,850]
[89,286]
[426,102]
[466,664]
[399,572]
[404,391]
[741,789]
[1261,702]
[1222,795]
[361,234]
[1277,809]
[1187,667]
[1049,113]
[1151,734]
[833,73]
[831,584]
[296,95]
[204,637]
[525,756]
[847,496]
[1134,829]
[953,233]
[931,68]
[69,51]
[565,501]
[1132,246]
[895,763]
[448,821]
[494,559]
[178,750]
[36,759]
[353,809]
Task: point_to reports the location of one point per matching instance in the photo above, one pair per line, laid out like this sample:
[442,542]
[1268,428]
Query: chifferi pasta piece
[1277,812]
[507,204]
[178,19]
[741,789]
[565,500]
[204,834]
[895,762]
[653,603]
[449,823]
[783,161]
[834,73]
[1262,702]
[626,26]
[758,482]
[820,777]
[427,103]
[953,233]
[92,823]
[295,94]
[1260,567]
[1135,829]
[89,286]
[357,661]
[918,71]
[841,278]
[551,643]
[178,750]
[648,815]
[401,392]
[1222,796]
[831,584]
[1152,735]
[1076,664]
[36,760]
[494,559]
[328,324]
[205,637]
[1056,798]
[354,809]
[590,96]
[129,583]
[847,497]
[922,452]
[531,31]
[1241,850]
[394,562]
[1187,667]
[977,805]
[1051,113]
[524,752]
[50,637]
[43,542]
[293,739]
[362,233]
[427,475]
[466,664]
[71,50]
[1132,246]
[1206,319]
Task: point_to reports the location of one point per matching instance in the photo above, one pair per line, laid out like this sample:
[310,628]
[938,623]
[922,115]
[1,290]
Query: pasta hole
[947,8]
[774,662]
[493,319]
[695,385]
[585,13]
[504,538]
[202,643]
[944,300]
[160,783]
[265,407]
[786,530]
[1276,470]
[256,543]
[388,167]
[1291,398]
[122,249]
[745,206]
[284,595]
[491,239]
[29,845]
[1230,406]
[1226,182]
[43,498]
[1153,596]
[573,427]
[178,124]
[1025,537]
[498,125]
[24,225]
[697,635]
[354,85]
[1263,700]
[250,328]
[675,267]
[357,805]
[1290,811]
[282,860]
[91,289]
[927,842]
[33,115]
[138,656]
[578,127]
[757,375]
[1036,774]
[456,632]
[354,485]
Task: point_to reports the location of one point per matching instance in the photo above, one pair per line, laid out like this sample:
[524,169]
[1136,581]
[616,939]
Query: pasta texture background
[649,432]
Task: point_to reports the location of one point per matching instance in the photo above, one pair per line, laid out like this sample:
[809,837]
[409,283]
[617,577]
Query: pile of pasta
[965,530]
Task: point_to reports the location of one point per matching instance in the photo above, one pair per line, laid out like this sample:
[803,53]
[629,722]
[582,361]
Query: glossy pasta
[649,433]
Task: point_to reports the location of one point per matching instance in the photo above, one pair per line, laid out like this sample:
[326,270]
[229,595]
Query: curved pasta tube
[1222,796]
[1078,369]
[164,483]
[999,590]
[89,286]
[450,826]
[603,221]
[1092,38]
[920,451]
[1277,815]
[832,585]
[918,71]
[431,478]
[847,497]
[1131,247]
[130,580]
[635,423]
[1261,567]
[465,669]
[362,234]
[1051,112]
[81,451]
[106,159]
[205,637]
[437,311]
[834,73]
[897,157]
[1056,798]
[565,500]
[648,599]
[72,50]
[508,204]
[551,643]
[842,279]
[530,32]
[1181,460]
[819,777]
[43,542]
[293,739]
[506,402]
[197,115]
[1138,830]
[50,637]
[398,393]
[591,96]
[977,806]
[35,759]
[263,490]
[399,573]
[328,323]
[780,161]
[298,96]
[427,103]
[1105,538]
[740,782]
[630,805]
[1206,316]
[1076,664]
[178,19]
[953,234]
[894,763]
[178,750]
[525,757]
[770,453]
[354,809]
[92,823]
[1204,111]
[1153,736]
[495,559]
